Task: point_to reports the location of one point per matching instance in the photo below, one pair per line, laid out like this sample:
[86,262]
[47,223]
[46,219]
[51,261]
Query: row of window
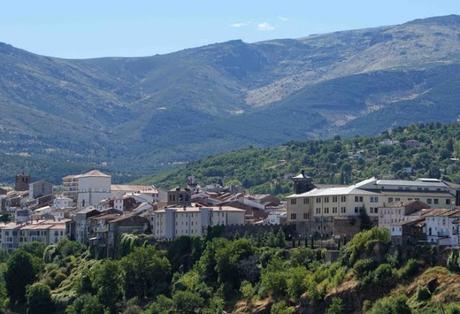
[372,199]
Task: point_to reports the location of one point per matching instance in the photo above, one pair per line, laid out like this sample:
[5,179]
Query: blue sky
[83,28]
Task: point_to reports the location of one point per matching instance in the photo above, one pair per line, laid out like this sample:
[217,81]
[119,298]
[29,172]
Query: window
[374,199]
[318,200]
[436,201]
[326,210]
[356,210]
[429,200]
[343,198]
[334,199]
[305,215]
[293,201]
[447,201]
[293,216]
[356,199]
[334,210]
[343,210]
[306,200]
[326,199]
[318,210]
[390,200]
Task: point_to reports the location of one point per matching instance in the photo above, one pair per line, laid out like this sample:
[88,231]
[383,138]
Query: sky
[98,28]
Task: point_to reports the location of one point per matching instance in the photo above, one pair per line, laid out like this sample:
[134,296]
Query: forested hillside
[424,150]
[139,115]
[258,274]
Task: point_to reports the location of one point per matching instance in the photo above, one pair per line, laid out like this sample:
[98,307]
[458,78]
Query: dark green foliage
[85,304]
[409,270]
[35,248]
[146,273]
[107,282]
[453,261]
[187,302]
[263,170]
[335,307]
[39,299]
[391,305]
[183,252]
[365,220]
[365,244]
[21,271]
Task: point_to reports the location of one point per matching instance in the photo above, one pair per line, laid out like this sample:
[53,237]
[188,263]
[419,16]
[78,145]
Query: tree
[107,283]
[336,306]
[146,273]
[391,305]
[85,304]
[186,302]
[21,271]
[39,299]
[366,222]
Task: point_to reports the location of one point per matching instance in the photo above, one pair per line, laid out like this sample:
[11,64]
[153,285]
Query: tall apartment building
[70,187]
[314,211]
[172,222]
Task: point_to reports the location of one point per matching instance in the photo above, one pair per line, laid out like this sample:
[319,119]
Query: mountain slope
[334,161]
[140,114]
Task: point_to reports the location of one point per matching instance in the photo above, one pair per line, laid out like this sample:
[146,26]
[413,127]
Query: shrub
[363,266]
[39,299]
[281,308]
[384,275]
[391,305]
[409,270]
[336,307]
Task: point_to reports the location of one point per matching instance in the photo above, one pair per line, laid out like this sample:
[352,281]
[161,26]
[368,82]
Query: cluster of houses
[90,209]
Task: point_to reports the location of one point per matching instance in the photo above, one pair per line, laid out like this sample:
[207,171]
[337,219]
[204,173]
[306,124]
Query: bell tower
[302,183]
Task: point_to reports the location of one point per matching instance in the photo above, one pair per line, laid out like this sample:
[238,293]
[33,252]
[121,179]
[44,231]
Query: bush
[247,290]
[39,299]
[335,307]
[363,266]
[453,309]
[383,276]
[409,270]
[391,305]
[281,308]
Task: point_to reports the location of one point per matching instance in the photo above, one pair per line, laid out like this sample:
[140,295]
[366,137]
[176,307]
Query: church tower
[302,183]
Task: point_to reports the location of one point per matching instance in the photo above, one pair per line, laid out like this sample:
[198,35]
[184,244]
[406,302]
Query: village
[89,209]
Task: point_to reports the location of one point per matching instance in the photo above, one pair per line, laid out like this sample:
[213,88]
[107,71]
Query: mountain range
[136,115]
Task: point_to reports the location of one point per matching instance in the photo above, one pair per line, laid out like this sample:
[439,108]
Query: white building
[172,222]
[93,187]
[62,202]
[320,206]
[442,227]
[394,215]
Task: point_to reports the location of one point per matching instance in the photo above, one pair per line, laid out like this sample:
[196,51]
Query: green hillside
[334,161]
[140,115]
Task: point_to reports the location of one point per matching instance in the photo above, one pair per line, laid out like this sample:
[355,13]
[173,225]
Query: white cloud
[283,18]
[265,27]
[239,24]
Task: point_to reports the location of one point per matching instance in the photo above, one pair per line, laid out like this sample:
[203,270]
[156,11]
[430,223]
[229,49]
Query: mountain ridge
[139,114]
